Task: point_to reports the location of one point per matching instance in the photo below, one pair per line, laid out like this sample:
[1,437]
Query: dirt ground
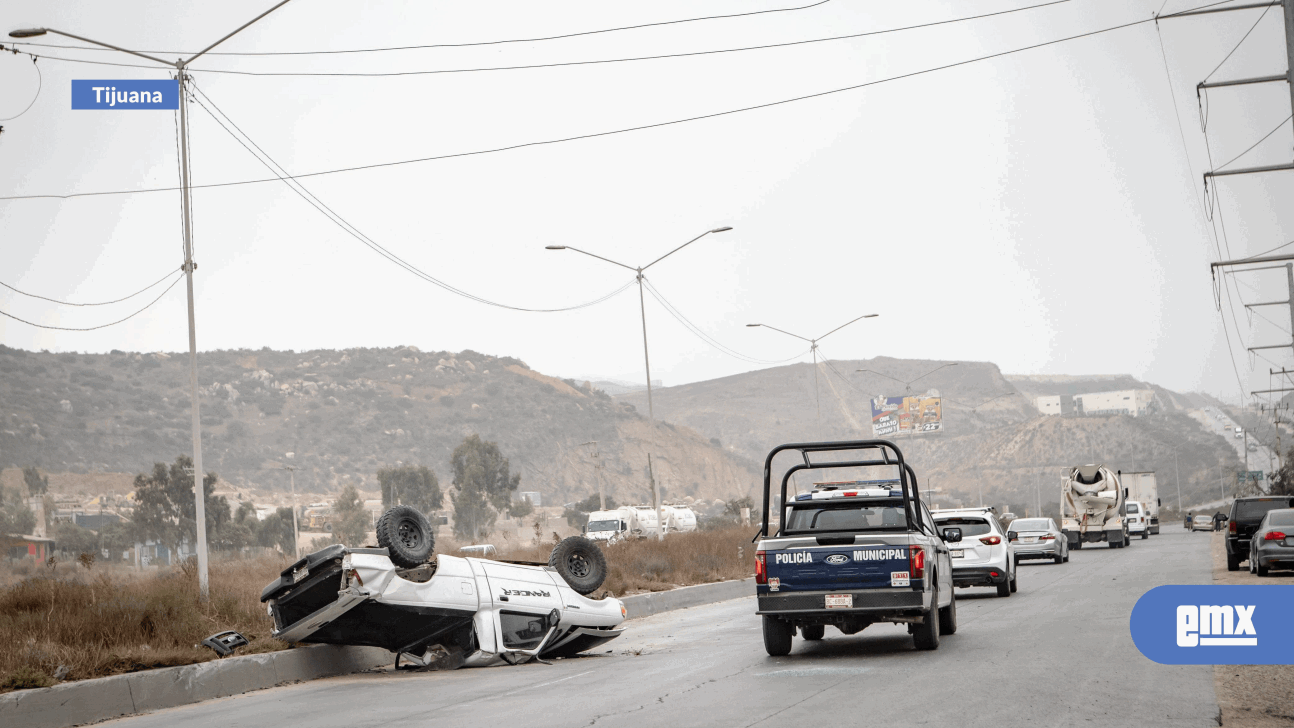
[1253,696]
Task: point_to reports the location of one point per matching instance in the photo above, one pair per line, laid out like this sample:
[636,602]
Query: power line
[40,82]
[1242,42]
[1200,200]
[382,74]
[696,330]
[353,231]
[459,45]
[102,303]
[178,278]
[625,130]
[1260,141]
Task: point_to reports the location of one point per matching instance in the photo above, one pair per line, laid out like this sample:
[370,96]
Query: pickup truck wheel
[926,635]
[777,636]
[581,563]
[813,632]
[948,617]
[406,536]
[1233,563]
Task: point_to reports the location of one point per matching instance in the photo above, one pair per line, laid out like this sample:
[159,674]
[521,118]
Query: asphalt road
[1057,653]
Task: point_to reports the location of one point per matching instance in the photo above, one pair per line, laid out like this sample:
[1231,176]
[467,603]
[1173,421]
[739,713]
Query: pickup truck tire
[926,635]
[581,563]
[813,632]
[777,636]
[948,617]
[407,537]
[1233,563]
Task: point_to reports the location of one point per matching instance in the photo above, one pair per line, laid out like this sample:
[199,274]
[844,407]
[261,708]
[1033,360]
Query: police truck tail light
[1274,536]
[991,540]
[1232,527]
[761,568]
[916,562]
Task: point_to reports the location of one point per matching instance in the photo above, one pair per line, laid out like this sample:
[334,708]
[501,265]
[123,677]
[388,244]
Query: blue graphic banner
[127,94]
[1215,625]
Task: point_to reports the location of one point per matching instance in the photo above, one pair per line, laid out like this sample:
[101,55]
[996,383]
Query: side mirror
[952,535]
[1011,535]
[1125,492]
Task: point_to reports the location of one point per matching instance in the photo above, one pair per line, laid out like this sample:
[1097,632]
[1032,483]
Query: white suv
[984,556]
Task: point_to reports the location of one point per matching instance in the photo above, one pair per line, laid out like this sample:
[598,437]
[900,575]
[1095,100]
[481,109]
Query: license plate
[900,578]
[300,574]
[840,601]
[1289,541]
[1029,539]
[956,554]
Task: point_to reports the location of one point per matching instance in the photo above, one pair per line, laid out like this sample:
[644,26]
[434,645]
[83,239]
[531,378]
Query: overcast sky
[1037,210]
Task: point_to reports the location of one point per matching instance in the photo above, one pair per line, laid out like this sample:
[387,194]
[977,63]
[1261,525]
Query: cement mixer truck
[1091,507]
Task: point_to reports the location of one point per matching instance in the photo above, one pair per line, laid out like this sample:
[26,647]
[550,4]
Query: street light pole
[642,306]
[813,349]
[181,68]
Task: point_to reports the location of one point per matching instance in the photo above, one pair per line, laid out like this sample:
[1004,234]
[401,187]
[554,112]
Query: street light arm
[932,371]
[684,245]
[240,29]
[788,333]
[109,45]
[591,255]
[860,318]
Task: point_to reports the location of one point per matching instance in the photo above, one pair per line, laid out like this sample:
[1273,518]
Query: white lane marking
[815,672]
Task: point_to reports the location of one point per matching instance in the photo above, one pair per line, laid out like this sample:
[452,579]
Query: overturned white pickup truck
[448,612]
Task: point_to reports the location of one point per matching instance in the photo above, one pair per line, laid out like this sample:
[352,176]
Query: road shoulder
[1253,696]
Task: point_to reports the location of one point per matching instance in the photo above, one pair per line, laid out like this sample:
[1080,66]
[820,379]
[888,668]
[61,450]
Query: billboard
[913,414]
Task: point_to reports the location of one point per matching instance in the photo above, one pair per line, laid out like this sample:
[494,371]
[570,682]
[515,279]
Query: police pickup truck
[851,553]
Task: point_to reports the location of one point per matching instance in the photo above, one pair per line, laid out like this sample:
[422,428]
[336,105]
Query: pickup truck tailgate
[819,568]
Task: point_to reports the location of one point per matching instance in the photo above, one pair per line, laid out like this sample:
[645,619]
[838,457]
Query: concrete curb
[643,605]
[90,701]
[105,698]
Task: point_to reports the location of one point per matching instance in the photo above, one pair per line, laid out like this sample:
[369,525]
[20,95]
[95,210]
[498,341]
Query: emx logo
[1215,625]
[1226,625]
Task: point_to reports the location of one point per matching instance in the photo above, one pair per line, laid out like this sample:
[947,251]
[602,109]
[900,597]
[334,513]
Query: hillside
[343,415]
[993,443]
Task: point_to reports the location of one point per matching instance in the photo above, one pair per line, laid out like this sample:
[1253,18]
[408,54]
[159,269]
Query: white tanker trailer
[1091,507]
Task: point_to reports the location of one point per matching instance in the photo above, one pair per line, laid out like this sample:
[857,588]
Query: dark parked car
[1243,520]
[1272,545]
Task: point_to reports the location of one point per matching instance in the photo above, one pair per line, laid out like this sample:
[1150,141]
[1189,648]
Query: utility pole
[655,494]
[182,79]
[597,473]
[296,534]
[1178,471]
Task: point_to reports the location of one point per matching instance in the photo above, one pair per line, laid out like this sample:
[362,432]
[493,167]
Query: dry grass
[107,621]
[648,565]
[78,623]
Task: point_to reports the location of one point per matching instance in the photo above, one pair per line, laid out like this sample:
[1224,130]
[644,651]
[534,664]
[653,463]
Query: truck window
[522,631]
[1254,510]
[603,525]
[826,516]
[969,526]
[1133,508]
